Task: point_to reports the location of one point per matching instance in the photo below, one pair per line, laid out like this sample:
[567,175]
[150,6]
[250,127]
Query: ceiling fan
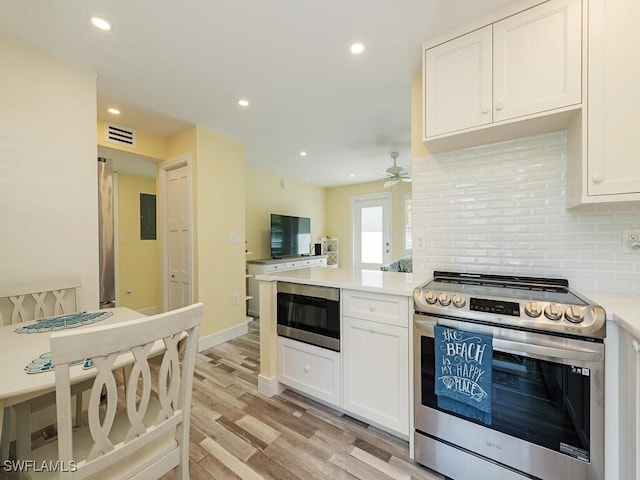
[395,173]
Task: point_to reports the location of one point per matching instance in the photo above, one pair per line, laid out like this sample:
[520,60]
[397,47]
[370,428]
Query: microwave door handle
[520,348]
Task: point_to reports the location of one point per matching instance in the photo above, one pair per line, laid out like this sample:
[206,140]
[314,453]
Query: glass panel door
[371,230]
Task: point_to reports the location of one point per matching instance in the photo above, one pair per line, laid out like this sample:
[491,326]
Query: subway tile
[501,208]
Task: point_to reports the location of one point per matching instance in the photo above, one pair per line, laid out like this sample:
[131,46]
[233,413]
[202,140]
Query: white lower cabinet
[622,404]
[310,369]
[376,365]
[369,377]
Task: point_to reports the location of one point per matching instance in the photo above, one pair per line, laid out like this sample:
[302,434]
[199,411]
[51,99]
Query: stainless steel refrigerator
[106,233]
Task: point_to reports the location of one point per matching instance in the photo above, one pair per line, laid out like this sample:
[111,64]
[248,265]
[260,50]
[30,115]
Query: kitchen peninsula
[369,377]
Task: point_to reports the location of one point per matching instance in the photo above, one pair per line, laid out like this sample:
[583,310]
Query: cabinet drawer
[379,307]
[276,267]
[309,262]
[310,369]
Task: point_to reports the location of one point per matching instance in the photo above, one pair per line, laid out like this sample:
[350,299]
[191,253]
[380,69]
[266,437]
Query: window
[407,216]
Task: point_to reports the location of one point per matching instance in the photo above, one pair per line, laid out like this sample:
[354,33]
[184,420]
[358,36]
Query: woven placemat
[62,322]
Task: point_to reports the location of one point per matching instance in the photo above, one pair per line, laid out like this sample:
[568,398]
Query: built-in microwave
[310,314]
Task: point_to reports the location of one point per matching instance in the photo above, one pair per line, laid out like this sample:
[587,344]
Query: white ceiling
[171,64]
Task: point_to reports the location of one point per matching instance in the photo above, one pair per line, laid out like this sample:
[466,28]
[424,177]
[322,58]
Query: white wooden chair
[25,302]
[139,435]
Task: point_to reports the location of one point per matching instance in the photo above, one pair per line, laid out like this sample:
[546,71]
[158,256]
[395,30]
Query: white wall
[501,209]
[48,179]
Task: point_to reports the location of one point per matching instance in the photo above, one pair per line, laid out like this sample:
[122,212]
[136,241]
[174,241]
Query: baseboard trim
[269,386]
[221,337]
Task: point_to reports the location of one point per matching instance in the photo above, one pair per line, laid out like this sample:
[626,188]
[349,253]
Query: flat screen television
[290,236]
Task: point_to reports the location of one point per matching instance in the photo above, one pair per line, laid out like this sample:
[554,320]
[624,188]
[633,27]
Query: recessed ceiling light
[303,154]
[243,103]
[113,111]
[101,23]
[352,175]
[357,48]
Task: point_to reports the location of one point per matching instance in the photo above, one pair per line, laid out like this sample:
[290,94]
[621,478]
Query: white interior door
[178,238]
[371,225]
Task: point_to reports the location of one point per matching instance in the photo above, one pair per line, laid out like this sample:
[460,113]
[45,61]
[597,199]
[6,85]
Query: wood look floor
[236,433]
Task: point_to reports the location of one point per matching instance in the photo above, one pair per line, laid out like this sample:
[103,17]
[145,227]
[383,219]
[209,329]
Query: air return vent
[120,135]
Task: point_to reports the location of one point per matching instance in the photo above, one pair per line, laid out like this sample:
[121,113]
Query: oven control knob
[458,300]
[574,314]
[431,297]
[444,299]
[553,311]
[533,309]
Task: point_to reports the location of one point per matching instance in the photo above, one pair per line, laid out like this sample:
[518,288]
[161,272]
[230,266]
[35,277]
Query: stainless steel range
[546,379]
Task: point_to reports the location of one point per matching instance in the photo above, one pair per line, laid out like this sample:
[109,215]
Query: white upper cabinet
[610,169]
[527,65]
[537,60]
[457,76]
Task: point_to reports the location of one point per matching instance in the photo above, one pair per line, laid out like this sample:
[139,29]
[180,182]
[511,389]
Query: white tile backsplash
[500,209]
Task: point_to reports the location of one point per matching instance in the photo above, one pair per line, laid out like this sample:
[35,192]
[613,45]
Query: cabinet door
[537,57]
[629,406]
[457,84]
[376,372]
[613,166]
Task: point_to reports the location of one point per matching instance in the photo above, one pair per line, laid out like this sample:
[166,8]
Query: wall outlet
[235,298]
[631,241]
[420,241]
[128,289]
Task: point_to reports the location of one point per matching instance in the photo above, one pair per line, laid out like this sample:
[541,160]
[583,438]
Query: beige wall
[138,263]
[339,215]
[218,184]
[48,170]
[265,195]
[219,189]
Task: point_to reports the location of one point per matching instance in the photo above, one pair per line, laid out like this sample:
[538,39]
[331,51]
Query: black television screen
[290,235]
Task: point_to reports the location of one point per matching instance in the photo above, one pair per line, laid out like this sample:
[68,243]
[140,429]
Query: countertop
[395,283]
[622,308]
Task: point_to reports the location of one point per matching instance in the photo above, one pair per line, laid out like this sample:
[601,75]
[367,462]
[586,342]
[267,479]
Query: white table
[18,349]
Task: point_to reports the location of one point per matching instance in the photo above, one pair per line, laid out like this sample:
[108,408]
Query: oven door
[547,407]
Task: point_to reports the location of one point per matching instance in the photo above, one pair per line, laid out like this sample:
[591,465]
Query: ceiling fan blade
[383,173]
[406,179]
[390,183]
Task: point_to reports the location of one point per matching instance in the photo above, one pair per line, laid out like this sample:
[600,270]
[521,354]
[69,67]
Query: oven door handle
[520,348]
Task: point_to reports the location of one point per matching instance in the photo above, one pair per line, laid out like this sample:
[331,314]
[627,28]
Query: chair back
[26,302]
[129,430]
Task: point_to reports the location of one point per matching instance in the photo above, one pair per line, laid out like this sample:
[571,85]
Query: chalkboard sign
[147,216]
